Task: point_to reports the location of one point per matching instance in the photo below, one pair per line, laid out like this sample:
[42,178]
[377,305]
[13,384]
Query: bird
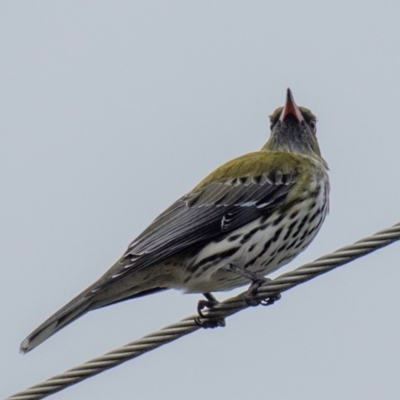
[246,219]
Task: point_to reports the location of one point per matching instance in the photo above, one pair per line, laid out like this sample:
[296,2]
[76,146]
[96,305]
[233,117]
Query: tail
[103,292]
[78,306]
[86,301]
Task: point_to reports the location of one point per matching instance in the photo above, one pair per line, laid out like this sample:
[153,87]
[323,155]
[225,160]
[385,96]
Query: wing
[204,215]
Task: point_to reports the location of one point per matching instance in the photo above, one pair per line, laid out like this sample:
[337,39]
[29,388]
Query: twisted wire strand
[224,309]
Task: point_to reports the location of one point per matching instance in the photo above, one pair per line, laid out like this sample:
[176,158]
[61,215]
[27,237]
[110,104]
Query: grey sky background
[109,111]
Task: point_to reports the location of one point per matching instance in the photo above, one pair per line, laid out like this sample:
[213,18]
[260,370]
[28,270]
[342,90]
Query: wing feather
[207,214]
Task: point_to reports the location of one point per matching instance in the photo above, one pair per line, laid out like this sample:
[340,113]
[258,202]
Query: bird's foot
[256,281]
[210,302]
[250,297]
[203,320]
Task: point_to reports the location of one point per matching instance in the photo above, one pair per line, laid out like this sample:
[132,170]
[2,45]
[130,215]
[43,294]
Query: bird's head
[293,129]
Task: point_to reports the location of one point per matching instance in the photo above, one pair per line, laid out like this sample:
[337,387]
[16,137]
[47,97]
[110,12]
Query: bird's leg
[256,281]
[204,321]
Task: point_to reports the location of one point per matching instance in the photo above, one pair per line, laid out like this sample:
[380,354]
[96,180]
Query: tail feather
[135,295]
[70,312]
[101,293]
[86,301]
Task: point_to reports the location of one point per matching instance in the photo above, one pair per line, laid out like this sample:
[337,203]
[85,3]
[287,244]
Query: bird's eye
[313,125]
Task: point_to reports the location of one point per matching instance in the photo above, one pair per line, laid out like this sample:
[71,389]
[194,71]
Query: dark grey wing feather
[205,215]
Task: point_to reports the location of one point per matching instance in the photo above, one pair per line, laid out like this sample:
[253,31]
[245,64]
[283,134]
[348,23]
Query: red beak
[291,108]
